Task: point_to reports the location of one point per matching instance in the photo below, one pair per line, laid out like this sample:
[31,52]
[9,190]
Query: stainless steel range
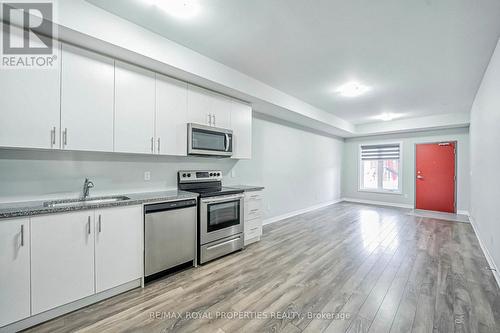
[220,213]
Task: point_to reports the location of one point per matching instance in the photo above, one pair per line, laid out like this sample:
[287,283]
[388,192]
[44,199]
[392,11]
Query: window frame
[399,191]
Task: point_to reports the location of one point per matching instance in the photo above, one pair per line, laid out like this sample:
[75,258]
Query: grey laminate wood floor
[344,268]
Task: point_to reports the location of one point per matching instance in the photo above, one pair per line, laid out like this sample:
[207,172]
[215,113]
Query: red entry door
[435,176]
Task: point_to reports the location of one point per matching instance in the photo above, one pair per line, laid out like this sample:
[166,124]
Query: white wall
[298,168]
[485,160]
[350,166]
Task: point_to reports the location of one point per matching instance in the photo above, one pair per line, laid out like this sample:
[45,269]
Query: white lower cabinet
[14,270]
[78,254]
[253,217]
[118,246]
[62,259]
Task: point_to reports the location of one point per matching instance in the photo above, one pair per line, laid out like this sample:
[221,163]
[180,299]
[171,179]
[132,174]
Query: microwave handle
[228,139]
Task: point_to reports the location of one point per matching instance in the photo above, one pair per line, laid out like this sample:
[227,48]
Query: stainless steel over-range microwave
[209,141]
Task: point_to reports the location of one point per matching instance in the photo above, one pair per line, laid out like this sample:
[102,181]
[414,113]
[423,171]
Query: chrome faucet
[87,185]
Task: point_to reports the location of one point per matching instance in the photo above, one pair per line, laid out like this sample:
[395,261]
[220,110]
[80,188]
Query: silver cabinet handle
[22,234]
[158,145]
[65,137]
[88,226]
[99,223]
[152,145]
[52,137]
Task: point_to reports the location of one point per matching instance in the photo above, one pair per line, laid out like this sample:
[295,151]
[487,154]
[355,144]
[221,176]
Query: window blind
[380,152]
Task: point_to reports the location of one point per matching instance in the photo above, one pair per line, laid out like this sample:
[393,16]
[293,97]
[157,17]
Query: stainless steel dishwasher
[169,236]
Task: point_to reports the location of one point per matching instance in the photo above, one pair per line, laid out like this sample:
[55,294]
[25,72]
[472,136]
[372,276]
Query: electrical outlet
[147,175]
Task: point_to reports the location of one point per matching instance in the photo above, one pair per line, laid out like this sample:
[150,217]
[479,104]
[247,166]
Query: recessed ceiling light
[352,89]
[183,9]
[387,116]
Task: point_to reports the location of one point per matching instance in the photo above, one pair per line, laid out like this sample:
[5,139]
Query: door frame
[415,171]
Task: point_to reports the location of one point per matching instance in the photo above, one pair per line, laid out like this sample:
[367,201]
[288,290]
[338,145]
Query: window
[380,168]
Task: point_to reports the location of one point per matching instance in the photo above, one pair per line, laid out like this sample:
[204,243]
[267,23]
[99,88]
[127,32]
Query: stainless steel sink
[84,202]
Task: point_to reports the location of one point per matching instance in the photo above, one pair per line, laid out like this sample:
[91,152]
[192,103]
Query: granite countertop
[246,188]
[30,208]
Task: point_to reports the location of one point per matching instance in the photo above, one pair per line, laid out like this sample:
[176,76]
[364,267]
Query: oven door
[220,217]
[206,140]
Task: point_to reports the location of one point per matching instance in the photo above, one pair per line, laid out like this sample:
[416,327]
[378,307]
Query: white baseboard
[67,308]
[463,212]
[298,212]
[486,253]
[379,203]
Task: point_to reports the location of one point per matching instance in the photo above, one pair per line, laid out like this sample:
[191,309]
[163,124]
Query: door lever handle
[420,177]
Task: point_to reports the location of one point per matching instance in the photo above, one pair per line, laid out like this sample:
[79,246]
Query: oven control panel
[199,176]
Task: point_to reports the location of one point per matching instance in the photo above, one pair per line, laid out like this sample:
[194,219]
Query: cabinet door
[62,259]
[87,94]
[222,107]
[29,105]
[119,246]
[171,116]
[200,105]
[241,124]
[134,109]
[14,271]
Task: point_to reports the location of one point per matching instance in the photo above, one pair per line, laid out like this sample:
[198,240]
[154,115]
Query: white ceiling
[421,57]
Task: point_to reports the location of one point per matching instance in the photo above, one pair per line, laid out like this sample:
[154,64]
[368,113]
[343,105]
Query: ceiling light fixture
[352,89]
[387,116]
[183,9]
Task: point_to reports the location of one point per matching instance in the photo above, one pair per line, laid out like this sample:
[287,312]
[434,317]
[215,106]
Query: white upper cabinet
[14,270]
[87,96]
[222,107]
[200,105]
[134,109]
[118,246]
[241,123]
[208,108]
[29,105]
[62,259]
[171,116]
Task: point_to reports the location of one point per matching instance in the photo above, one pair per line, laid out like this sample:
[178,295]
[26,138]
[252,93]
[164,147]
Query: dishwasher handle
[160,207]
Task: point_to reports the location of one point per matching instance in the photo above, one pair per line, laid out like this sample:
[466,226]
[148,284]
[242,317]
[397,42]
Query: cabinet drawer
[253,209]
[253,232]
[256,195]
[251,224]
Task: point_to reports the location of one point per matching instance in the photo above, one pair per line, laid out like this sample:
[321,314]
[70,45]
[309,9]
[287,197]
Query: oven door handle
[222,199]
